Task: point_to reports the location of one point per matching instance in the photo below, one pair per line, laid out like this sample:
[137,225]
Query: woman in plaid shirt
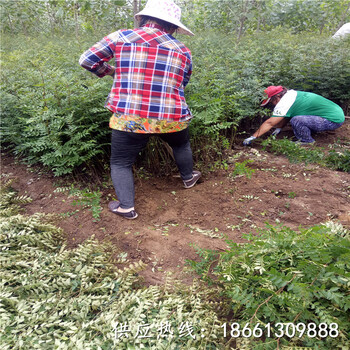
[147,98]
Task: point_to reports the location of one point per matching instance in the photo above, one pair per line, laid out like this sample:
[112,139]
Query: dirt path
[172,219]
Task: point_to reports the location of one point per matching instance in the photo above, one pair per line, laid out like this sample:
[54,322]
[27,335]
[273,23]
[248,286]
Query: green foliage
[291,195]
[92,200]
[52,297]
[294,152]
[224,87]
[77,16]
[53,112]
[243,169]
[307,15]
[337,160]
[237,17]
[9,200]
[285,276]
[85,198]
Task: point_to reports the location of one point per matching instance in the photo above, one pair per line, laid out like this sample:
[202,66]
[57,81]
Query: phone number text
[279,330]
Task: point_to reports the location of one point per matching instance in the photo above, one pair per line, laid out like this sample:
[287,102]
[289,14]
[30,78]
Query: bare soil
[173,219]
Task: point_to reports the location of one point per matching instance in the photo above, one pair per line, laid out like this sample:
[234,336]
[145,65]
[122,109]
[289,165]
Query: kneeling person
[306,111]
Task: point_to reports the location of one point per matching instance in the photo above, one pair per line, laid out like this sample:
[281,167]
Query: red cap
[271,91]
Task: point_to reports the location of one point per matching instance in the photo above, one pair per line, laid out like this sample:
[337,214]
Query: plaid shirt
[152,69]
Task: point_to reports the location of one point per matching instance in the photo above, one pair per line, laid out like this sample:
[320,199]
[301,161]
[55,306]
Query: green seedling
[241,169]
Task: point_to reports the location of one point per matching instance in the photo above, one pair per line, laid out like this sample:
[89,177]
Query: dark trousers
[304,125]
[125,148]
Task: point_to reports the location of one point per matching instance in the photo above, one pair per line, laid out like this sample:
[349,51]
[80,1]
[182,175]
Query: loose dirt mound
[172,219]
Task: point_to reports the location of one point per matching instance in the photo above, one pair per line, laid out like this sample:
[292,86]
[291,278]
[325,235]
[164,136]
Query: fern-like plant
[52,297]
[285,277]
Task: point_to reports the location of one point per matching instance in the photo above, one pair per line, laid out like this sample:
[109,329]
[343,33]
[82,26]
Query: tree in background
[228,16]
[57,16]
[309,15]
[240,16]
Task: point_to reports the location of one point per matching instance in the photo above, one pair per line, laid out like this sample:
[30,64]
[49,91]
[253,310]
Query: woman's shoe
[113,207]
[195,177]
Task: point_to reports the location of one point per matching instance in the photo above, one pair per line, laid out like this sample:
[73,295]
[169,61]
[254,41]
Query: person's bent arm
[96,58]
[273,122]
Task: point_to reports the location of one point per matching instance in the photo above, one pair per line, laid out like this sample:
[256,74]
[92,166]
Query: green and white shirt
[295,103]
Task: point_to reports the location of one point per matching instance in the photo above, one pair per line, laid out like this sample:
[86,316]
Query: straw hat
[165,10]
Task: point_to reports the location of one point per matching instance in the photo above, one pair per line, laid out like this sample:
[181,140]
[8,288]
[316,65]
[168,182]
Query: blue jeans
[127,145]
[303,125]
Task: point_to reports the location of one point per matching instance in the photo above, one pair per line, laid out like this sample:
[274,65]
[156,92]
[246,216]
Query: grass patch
[336,160]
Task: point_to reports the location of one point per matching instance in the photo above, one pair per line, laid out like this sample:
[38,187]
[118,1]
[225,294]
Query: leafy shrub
[52,297]
[53,114]
[284,276]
